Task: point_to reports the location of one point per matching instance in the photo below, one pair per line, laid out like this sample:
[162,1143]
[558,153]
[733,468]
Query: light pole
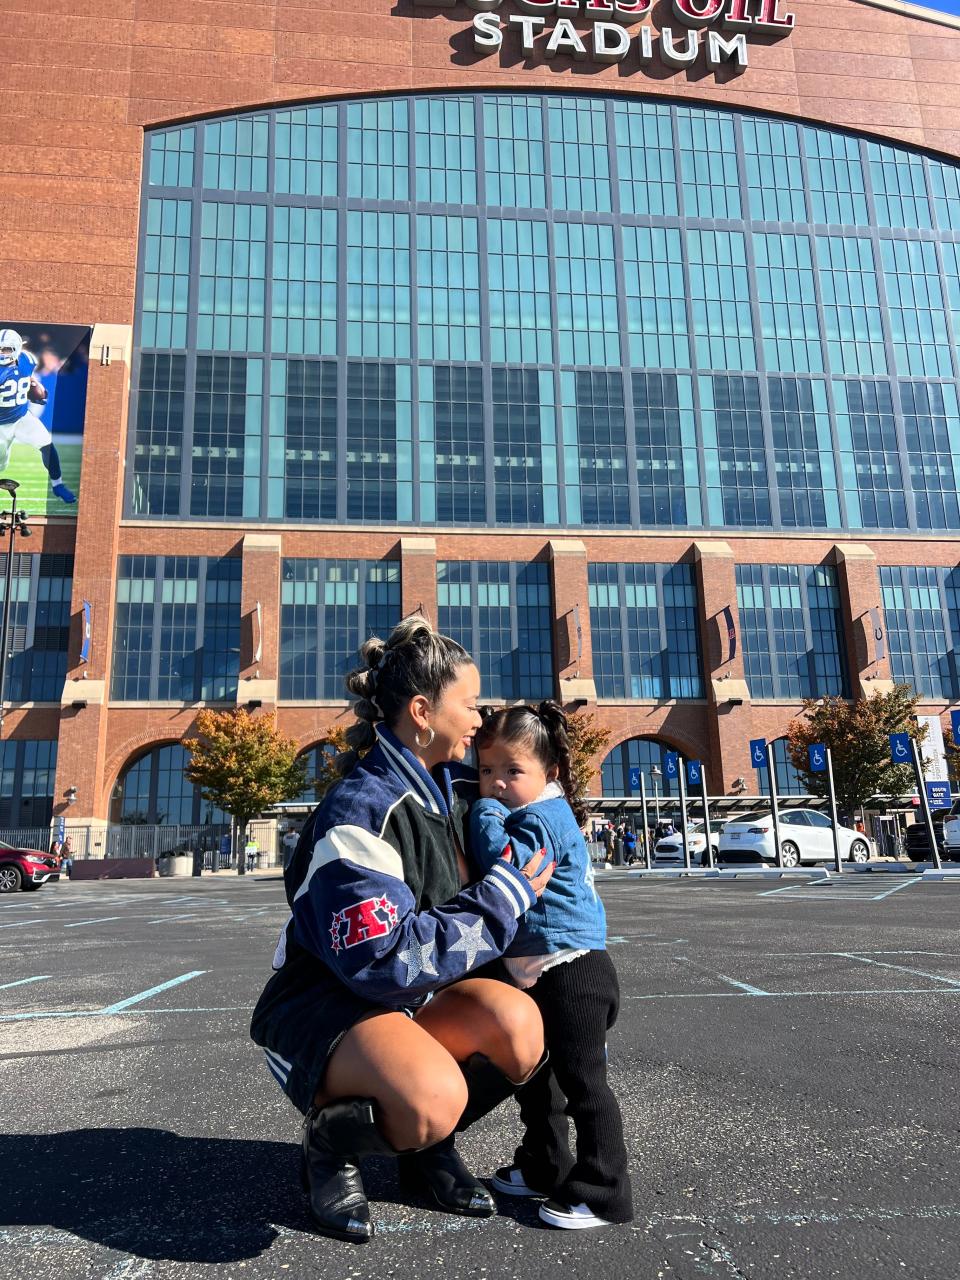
[656,773]
[15,522]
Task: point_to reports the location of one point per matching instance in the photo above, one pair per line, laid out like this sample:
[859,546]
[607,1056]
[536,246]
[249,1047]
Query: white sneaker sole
[570,1221]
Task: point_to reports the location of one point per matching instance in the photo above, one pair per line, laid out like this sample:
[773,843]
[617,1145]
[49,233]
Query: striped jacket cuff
[513,885]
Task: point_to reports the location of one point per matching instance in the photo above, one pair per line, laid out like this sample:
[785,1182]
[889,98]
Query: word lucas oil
[728,23]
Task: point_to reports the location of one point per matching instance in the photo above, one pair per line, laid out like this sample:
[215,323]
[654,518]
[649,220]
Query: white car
[805,836]
[951,831]
[668,852]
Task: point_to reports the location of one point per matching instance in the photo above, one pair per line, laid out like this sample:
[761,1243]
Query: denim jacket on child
[569,914]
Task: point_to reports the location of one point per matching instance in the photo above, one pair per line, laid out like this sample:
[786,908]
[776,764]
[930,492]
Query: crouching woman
[372,1024]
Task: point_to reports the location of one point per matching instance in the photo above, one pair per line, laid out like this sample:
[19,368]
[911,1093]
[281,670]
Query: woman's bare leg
[416,1083]
[481,1015]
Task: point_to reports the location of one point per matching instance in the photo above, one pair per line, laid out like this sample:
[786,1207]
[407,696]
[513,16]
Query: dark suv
[25,868]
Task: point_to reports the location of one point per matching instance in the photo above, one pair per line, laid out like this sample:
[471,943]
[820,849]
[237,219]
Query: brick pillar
[418,577]
[859,584]
[83,729]
[260,631]
[729,715]
[570,593]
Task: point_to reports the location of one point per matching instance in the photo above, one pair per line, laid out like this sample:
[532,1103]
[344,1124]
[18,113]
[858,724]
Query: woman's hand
[538,879]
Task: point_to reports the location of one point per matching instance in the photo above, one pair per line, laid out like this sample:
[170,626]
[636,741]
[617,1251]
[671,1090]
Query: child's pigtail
[552,717]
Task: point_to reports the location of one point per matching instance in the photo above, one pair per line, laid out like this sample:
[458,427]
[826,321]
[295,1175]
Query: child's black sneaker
[570,1217]
[509,1181]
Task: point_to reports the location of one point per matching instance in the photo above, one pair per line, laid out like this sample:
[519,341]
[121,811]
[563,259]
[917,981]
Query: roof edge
[917,10]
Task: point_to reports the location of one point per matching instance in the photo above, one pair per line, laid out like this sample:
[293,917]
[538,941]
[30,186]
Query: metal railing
[147,840]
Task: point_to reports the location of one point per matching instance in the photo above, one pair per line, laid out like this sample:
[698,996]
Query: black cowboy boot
[487,1087]
[439,1172]
[334,1138]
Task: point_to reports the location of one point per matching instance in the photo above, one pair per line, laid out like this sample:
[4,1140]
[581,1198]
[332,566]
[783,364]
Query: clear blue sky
[945,6]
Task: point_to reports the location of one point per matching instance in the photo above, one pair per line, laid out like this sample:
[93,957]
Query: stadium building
[623,338]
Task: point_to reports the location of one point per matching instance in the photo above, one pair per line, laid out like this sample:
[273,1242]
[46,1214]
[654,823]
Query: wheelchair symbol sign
[758,753]
[900,748]
[693,772]
[671,764]
[818,757]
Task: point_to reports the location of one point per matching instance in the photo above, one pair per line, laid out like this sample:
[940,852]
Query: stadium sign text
[727,24]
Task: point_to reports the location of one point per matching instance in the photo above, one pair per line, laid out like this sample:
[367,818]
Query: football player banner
[43,398]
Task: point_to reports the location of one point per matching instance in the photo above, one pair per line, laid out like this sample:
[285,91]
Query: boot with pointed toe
[334,1138]
[438,1173]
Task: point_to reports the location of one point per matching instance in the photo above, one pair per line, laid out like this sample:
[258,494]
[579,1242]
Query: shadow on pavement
[152,1193]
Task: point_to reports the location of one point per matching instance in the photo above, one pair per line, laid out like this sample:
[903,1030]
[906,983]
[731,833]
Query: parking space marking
[20,924]
[744,986]
[792,995]
[900,968]
[22,982]
[837,891]
[76,924]
[151,991]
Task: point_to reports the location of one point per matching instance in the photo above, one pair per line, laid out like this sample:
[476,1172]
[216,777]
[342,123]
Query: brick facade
[80,87]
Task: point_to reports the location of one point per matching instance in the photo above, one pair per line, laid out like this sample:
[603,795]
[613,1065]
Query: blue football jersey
[15,382]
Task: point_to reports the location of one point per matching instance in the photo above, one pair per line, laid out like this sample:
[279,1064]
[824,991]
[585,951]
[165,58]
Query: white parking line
[152,991]
[744,986]
[94,920]
[900,968]
[22,982]
[23,923]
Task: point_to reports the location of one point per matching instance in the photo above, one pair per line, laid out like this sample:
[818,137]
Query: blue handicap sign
[818,757]
[938,795]
[900,748]
[758,752]
[694,772]
[955,727]
[634,779]
[224,844]
[61,829]
[671,764]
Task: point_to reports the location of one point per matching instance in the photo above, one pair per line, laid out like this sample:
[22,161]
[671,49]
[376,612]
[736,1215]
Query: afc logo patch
[362,921]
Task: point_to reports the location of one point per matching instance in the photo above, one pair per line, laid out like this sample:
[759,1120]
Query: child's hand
[538,879]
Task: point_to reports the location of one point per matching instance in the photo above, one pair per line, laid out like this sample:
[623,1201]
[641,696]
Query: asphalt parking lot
[786,1060]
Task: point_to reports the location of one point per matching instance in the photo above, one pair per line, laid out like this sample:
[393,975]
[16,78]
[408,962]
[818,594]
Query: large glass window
[792,631]
[643,627]
[327,609]
[177,631]
[500,613]
[27,775]
[921,607]
[675,314]
[39,632]
[154,790]
[645,755]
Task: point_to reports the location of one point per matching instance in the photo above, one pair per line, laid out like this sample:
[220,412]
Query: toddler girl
[559,955]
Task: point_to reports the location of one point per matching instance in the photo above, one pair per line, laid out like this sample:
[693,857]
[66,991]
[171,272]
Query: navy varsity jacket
[374,888]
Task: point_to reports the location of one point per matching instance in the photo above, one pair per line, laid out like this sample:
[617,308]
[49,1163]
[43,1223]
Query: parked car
[805,836]
[669,851]
[26,868]
[918,841]
[951,831]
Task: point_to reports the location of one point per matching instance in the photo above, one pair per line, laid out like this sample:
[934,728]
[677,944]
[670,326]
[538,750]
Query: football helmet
[11,345]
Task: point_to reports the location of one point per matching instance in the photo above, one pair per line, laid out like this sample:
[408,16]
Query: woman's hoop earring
[423,745]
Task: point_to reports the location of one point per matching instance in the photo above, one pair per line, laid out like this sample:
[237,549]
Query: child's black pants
[578,1002]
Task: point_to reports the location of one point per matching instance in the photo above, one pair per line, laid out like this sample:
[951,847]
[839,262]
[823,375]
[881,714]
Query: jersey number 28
[14,393]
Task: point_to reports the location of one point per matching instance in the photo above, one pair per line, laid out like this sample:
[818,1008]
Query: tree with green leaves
[243,764]
[858,735]
[588,744]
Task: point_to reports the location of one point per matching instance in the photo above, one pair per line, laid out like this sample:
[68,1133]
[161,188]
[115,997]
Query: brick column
[83,728]
[260,631]
[859,584]
[729,715]
[570,593]
[418,577]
